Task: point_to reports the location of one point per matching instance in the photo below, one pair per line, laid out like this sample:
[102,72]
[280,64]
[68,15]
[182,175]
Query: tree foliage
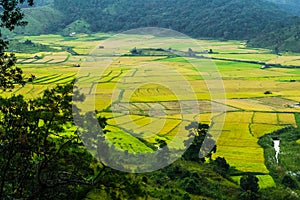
[291,6]
[282,39]
[39,156]
[221,166]
[11,16]
[249,182]
[288,181]
[201,143]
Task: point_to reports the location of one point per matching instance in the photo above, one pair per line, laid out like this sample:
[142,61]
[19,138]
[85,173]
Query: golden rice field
[286,119]
[155,97]
[265,118]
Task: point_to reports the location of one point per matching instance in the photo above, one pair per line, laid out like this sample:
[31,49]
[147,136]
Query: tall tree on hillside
[249,183]
[198,150]
[11,16]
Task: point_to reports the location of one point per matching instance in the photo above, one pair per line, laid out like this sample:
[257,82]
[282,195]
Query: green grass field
[154,97]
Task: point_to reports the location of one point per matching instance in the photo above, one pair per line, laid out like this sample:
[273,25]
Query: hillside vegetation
[291,6]
[44,19]
[232,19]
[285,39]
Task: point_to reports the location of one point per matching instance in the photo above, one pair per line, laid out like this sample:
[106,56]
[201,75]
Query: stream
[277,149]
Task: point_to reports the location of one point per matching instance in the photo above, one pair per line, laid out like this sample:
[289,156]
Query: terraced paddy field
[151,98]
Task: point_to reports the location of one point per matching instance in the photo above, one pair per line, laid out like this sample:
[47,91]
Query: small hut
[265,67]
[72,34]
[297,105]
[35,57]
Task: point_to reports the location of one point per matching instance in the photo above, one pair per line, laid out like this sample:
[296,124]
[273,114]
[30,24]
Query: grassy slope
[181,179]
[40,20]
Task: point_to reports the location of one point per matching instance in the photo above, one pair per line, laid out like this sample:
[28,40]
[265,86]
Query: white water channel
[277,149]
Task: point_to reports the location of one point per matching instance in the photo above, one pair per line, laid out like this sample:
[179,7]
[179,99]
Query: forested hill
[234,19]
[231,19]
[291,6]
[284,39]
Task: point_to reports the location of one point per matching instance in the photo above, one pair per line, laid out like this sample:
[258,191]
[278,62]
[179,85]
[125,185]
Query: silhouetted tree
[221,166]
[198,133]
[249,183]
[289,182]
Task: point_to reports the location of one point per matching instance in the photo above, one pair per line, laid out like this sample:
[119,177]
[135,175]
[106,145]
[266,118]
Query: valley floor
[155,97]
